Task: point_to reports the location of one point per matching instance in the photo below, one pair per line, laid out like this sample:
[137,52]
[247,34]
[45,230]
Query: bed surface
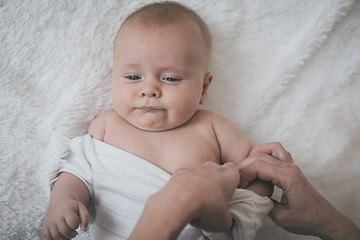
[284,70]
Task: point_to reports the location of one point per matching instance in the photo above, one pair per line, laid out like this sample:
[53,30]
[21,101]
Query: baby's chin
[153,129]
[156,127]
[150,127]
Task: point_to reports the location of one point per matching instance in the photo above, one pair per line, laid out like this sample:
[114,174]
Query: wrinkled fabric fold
[120,182]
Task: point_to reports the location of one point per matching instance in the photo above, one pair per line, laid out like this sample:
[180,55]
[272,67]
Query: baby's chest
[173,151]
[185,154]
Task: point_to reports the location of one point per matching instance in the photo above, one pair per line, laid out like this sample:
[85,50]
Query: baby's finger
[55,233]
[84,217]
[66,231]
[46,233]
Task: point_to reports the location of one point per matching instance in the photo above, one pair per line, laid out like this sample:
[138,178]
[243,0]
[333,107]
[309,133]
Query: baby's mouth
[150,108]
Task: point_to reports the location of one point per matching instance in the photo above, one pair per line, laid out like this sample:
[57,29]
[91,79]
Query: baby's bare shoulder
[97,127]
[205,115]
[217,122]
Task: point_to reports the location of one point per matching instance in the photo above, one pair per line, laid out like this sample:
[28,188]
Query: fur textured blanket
[284,70]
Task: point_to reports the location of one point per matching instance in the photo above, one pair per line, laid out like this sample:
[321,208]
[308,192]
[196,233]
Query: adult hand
[302,209]
[198,195]
[208,188]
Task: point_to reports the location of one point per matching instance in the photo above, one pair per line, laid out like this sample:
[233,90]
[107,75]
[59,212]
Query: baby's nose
[151,91]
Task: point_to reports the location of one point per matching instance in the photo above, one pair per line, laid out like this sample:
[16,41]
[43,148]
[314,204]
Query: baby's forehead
[176,33]
[188,27]
[145,38]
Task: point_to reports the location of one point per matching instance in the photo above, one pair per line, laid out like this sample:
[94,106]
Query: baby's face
[159,75]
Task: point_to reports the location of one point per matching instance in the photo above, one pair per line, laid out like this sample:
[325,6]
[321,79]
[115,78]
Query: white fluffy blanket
[285,70]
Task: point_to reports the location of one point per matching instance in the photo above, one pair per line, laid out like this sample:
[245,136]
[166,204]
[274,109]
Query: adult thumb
[278,214]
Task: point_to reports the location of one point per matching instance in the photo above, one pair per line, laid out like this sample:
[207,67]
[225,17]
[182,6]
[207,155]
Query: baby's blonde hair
[168,12]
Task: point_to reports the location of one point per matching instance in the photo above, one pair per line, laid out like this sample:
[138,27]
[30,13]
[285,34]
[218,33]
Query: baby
[160,76]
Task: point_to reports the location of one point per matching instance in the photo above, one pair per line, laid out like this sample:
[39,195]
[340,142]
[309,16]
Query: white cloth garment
[120,182]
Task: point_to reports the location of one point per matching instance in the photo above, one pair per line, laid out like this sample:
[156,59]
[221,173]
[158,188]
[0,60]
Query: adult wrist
[185,206]
[341,228]
[152,221]
[171,210]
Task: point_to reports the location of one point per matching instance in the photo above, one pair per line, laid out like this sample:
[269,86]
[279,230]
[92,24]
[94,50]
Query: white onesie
[120,182]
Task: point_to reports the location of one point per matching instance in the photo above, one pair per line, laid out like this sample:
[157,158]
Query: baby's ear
[207,80]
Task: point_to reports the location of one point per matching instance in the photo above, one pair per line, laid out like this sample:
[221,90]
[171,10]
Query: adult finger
[292,220]
[278,214]
[262,167]
[258,157]
[274,149]
[231,174]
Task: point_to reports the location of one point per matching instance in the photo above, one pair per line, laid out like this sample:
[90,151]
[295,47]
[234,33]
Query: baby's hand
[63,219]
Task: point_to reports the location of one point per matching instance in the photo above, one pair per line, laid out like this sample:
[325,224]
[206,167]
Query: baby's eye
[133,77]
[171,79]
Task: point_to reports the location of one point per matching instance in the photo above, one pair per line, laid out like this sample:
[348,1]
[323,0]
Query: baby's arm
[70,196]
[262,188]
[235,148]
[67,209]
